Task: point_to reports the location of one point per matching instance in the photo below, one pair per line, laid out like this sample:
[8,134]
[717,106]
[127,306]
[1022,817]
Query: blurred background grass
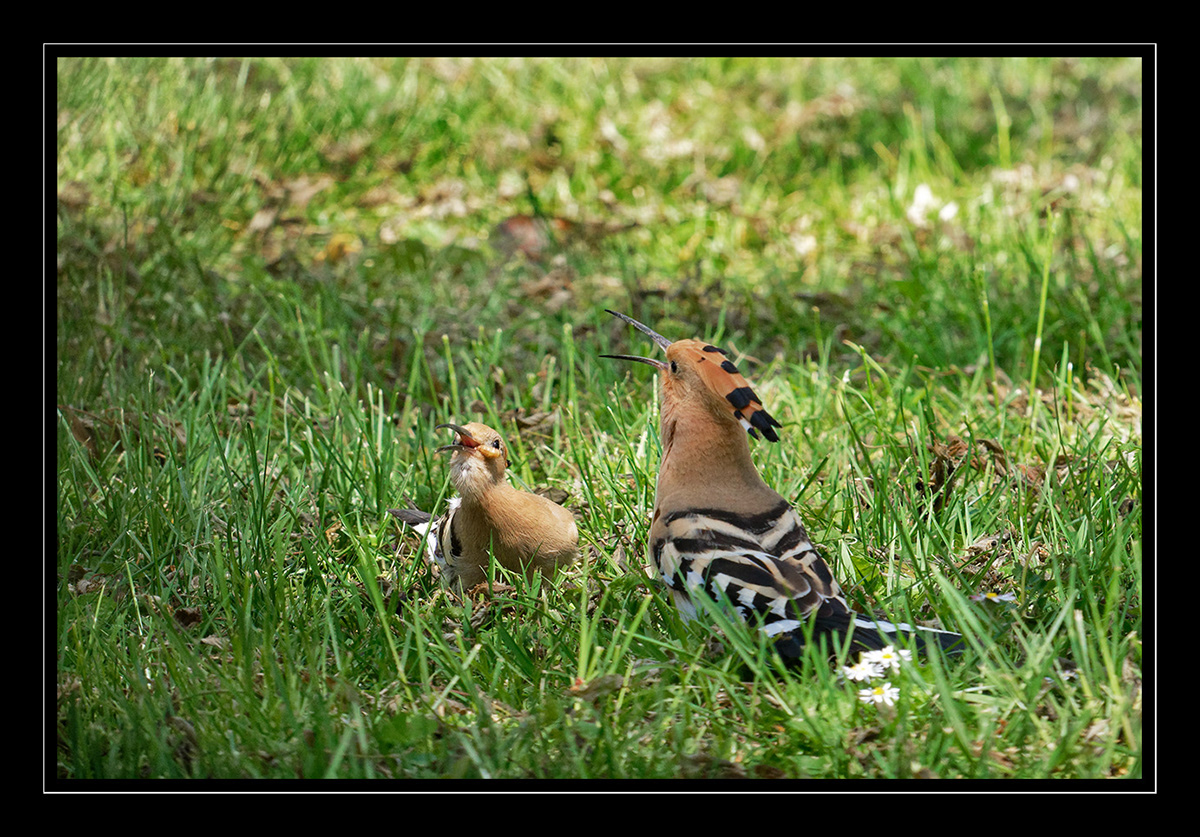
[742,193]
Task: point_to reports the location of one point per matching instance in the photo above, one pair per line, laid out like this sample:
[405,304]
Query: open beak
[465,440]
[654,335]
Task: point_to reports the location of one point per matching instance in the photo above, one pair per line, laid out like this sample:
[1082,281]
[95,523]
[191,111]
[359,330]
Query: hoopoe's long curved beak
[654,335]
[658,364]
[465,440]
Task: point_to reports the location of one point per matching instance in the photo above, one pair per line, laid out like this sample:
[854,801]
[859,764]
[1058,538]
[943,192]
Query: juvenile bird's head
[479,460]
[698,376]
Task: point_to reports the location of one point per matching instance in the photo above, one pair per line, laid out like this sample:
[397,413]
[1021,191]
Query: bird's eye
[496,444]
[674,368]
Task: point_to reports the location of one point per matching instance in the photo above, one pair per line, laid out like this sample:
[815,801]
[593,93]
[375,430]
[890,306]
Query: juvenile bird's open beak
[654,335]
[465,440]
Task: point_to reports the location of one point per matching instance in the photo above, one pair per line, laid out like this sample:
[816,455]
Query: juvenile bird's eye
[674,368]
[496,444]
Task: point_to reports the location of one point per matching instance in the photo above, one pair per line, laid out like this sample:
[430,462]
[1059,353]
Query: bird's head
[697,375]
[479,457]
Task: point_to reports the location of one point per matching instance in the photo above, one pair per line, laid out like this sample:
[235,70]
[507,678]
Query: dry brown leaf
[302,189]
[705,766]
[340,246]
[187,617]
[102,431]
[532,237]
[378,196]
[88,585]
[538,422]
[74,195]
[947,457]
[347,151]
[451,706]
[988,542]
[484,591]
[332,530]
[554,495]
[84,427]
[263,220]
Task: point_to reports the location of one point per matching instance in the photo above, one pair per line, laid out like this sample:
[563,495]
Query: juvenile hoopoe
[525,532]
[719,530]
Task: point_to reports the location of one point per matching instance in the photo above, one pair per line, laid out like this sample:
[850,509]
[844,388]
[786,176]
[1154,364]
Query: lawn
[274,278]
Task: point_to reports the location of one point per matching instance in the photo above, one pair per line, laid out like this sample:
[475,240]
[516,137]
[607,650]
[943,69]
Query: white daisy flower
[862,670]
[993,596]
[884,693]
[887,657]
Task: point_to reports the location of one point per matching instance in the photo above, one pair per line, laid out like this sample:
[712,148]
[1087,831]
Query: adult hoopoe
[525,532]
[719,530]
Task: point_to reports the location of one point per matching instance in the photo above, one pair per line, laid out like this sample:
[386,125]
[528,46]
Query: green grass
[276,277]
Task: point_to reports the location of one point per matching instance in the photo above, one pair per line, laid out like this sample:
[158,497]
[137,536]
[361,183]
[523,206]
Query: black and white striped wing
[764,564]
[766,567]
[441,540]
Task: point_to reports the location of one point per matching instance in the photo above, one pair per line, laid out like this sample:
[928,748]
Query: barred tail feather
[428,528]
[868,629]
[866,634]
[412,517]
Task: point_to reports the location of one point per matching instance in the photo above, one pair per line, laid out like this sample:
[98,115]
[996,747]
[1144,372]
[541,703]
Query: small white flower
[884,693]
[922,203]
[993,596]
[862,670]
[886,657]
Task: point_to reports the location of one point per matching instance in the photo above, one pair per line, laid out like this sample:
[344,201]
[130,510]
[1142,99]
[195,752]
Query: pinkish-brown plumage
[525,532]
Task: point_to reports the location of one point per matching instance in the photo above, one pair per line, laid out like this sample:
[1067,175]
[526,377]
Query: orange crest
[722,377]
[715,371]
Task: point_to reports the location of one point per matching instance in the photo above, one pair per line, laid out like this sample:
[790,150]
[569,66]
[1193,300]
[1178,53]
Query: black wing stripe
[754,524]
[720,541]
[455,544]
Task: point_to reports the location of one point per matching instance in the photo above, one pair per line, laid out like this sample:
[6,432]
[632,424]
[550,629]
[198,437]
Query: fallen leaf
[302,189]
[74,195]
[263,220]
[555,495]
[704,766]
[340,245]
[331,532]
[530,236]
[346,152]
[538,422]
